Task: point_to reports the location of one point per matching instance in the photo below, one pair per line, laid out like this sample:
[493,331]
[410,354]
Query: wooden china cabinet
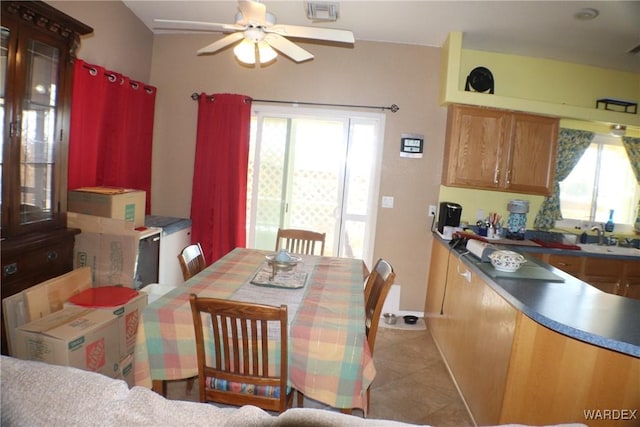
[500,150]
[38,50]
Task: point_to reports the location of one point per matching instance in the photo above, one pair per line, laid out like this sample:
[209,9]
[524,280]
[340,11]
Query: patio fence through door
[316,170]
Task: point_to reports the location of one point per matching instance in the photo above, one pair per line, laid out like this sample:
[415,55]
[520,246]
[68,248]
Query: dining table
[329,358]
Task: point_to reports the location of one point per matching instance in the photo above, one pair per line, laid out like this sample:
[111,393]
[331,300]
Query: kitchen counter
[539,246]
[573,307]
[531,351]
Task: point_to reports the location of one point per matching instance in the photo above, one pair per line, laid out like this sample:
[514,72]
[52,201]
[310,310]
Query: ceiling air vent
[322,11]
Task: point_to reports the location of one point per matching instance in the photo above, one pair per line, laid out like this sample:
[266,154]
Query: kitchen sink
[613,250]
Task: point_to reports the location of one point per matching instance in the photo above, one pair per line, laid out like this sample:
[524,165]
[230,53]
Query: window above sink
[603,180]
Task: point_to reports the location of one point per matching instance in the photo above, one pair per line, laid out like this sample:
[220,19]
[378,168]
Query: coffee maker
[449,215]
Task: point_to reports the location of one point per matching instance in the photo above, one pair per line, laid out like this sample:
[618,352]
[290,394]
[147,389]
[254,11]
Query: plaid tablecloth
[329,358]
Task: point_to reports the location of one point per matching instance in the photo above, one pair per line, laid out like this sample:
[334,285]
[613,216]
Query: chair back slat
[300,241]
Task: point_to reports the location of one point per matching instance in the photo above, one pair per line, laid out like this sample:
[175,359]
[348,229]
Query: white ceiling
[545,29]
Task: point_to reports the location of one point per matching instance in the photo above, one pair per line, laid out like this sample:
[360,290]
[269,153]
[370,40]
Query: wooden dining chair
[191,260]
[376,289]
[300,241]
[367,282]
[238,373]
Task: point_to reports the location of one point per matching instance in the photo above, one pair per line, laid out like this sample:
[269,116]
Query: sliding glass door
[315,170]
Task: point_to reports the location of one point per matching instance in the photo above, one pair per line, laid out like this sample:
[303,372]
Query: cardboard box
[109,246]
[109,202]
[42,299]
[98,224]
[127,315]
[125,370]
[50,296]
[15,314]
[73,336]
[112,258]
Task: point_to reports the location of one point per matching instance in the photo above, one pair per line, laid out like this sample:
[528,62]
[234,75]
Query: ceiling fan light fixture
[266,52]
[618,130]
[245,51]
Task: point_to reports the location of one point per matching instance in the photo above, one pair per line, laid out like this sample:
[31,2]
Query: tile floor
[412,384]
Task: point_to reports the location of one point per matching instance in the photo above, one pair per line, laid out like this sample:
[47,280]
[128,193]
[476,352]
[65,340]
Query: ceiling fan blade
[288,48]
[176,24]
[252,13]
[222,43]
[330,34]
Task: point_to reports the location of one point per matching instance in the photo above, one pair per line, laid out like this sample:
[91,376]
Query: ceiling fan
[260,35]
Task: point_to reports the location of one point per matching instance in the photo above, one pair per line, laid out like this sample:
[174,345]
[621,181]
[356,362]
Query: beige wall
[120,41]
[369,74]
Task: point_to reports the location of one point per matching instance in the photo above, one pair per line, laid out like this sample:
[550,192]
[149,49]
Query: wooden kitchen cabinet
[567,263]
[603,273]
[614,276]
[500,150]
[630,283]
[474,328]
[38,48]
[508,367]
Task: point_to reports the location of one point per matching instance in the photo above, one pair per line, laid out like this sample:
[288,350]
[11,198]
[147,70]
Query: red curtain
[111,130]
[219,197]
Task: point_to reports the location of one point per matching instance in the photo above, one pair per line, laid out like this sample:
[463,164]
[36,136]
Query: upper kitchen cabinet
[38,45]
[500,150]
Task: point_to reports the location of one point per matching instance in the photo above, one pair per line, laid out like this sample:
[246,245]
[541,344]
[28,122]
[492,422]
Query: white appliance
[148,257]
[175,236]
[480,249]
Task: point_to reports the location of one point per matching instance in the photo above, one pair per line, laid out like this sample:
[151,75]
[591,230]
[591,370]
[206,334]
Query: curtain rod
[393,107]
[112,76]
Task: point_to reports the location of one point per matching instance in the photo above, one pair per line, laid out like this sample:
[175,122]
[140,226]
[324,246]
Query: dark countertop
[572,308]
[572,252]
[551,242]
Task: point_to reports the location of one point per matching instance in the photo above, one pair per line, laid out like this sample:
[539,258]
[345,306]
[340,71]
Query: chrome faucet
[600,230]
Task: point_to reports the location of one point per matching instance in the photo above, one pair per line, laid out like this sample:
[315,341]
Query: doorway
[317,170]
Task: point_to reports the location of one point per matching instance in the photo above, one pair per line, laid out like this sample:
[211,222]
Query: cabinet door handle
[10,269]
[496,175]
[563,264]
[509,176]
[52,256]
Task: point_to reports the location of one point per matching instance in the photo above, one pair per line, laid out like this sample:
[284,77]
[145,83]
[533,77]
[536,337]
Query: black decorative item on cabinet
[39,43]
[480,79]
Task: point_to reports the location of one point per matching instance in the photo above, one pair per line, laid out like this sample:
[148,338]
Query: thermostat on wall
[411,145]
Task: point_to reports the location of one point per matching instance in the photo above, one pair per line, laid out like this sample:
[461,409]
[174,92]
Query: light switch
[387,201]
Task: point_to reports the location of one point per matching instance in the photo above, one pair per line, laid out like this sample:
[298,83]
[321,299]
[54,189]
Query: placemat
[283,279]
[527,271]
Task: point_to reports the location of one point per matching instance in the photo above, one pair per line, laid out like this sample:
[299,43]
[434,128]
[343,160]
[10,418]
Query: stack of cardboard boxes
[43,322]
[112,224]
[65,321]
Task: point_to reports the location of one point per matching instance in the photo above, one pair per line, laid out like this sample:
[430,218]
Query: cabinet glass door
[38,124]
[4,59]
